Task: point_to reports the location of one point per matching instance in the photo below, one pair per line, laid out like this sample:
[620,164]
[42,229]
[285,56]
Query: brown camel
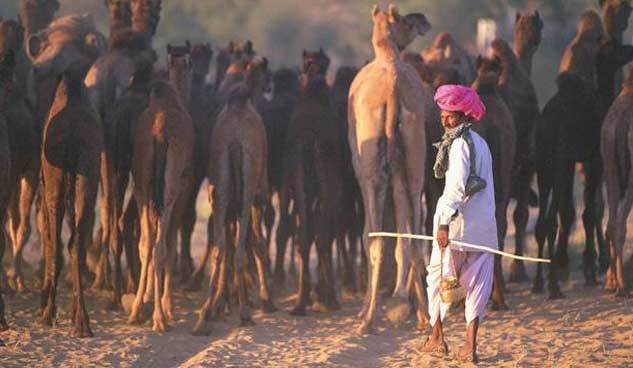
[320,58]
[617,151]
[24,148]
[498,129]
[201,107]
[70,172]
[145,16]
[569,132]
[238,187]
[615,15]
[7,65]
[35,15]
[386,137]
[518,92]
[163,175]
[447,53]
[527,38]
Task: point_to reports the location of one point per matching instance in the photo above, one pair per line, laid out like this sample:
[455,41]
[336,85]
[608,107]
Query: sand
[589,328]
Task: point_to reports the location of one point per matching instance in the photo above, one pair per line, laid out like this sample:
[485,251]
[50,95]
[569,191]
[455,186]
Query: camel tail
[391,125]
[236,167]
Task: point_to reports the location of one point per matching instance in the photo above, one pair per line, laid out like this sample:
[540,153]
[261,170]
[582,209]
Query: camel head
[179,57]
[120,13]
[442,40]
[233,52]
[315,59]
[615,14]
[257,76]
[528,29]
[399,30]
[488,74]
[35,15]
[145,15]
[201,55]
[502,50]
[68,40]
[11,36]
[590,32]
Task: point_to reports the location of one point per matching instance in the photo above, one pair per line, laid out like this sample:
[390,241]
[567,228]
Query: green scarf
[444,147]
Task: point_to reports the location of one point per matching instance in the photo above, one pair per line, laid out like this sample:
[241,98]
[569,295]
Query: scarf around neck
[444,147]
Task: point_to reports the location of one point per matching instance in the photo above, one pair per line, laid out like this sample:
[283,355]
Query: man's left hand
[442,236]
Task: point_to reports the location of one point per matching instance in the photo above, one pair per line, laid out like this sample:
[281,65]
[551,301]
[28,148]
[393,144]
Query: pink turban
[454,97]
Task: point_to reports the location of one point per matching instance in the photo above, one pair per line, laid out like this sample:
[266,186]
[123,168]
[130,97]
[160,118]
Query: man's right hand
[442,236]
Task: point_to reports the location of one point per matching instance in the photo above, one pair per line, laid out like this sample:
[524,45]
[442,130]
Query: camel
[238,186]
[7,64]
[617,148]
[615,15]
[312,178]
[71,146]
[163,176]
[24,148]
[351,225]
[277,116]
[36,15]
[527,38]
[498,130]
[201,106]
[447,53]
[518,92]
[387,149]
[569,132]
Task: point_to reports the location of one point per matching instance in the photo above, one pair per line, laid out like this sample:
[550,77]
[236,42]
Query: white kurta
[470,219]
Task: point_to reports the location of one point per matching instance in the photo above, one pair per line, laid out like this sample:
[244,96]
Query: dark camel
[70,173]
[518,92]
[201,107]
[498,129]
[120,14]
[527,38]
[233,52]
[7,65]
[238,186]
[24,146]
[312,178]
[387,140]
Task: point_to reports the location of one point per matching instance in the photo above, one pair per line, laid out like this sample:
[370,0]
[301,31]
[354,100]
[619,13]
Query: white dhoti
[475,270]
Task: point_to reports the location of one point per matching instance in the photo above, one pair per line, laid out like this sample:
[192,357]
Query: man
[465,212]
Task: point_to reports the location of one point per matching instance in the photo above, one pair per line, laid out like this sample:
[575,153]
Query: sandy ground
[589,328]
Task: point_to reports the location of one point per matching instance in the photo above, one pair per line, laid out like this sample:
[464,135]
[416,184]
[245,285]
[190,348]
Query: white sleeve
[456,177]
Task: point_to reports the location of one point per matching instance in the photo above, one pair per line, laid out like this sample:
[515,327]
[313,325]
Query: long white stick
[463,244]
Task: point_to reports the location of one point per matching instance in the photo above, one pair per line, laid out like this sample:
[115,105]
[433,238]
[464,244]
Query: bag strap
[471,148]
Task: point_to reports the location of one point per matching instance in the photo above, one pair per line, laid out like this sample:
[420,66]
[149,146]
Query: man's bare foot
[434,346]
[466,354]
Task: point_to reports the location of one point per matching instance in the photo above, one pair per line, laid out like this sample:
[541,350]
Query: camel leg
[623,211]
[102,276]
[260,250]
[130,228]
[186,265]
[324,238]
[305,243]
[85,194]
[541,231]
[565,204]
[375,200]
[521,215]
[54,207]
[283,233]
[3,322]
[593,174]
[240,257]
[145,246]
[28,188]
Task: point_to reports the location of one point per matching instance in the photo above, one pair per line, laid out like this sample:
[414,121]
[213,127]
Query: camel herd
[82,114]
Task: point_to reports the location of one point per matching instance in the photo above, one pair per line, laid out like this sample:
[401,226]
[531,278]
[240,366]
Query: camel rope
[460,243]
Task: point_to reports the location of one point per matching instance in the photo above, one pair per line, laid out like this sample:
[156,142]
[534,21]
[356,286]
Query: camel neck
[385,50]
[524,56]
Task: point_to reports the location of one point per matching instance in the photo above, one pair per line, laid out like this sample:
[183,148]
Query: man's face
[451,119]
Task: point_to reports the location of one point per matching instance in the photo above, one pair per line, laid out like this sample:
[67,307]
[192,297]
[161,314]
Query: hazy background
[280,29]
